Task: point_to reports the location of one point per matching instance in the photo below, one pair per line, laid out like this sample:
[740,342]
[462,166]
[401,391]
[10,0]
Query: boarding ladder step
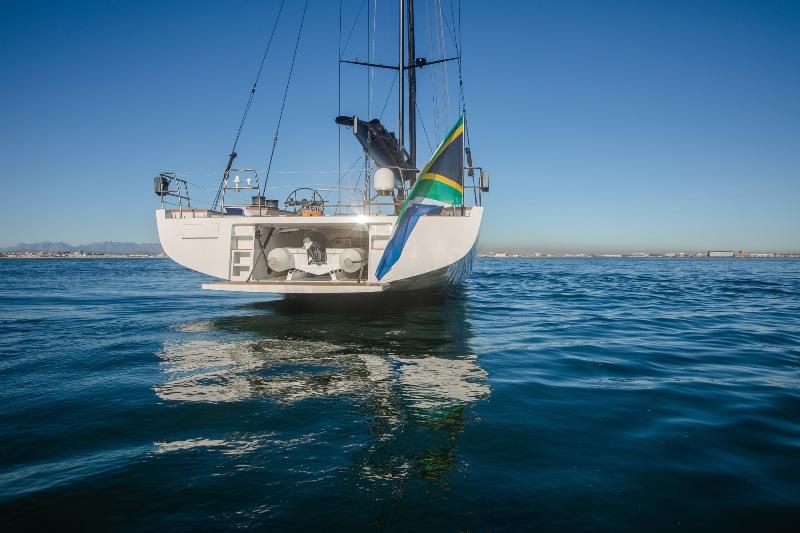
[242,251]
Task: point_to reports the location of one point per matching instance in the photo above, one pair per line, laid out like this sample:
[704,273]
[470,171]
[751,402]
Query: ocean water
[547,395]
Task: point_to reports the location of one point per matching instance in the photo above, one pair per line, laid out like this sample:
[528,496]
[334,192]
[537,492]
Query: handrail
[163,184]
[251,183]
[168,184]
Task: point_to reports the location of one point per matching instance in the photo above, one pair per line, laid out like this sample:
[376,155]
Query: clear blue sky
[606,125]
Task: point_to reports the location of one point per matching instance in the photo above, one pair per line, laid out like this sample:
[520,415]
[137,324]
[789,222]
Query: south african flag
[440,184]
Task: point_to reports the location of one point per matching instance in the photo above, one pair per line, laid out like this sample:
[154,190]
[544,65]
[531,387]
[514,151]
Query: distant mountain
[39,247]
[107,247]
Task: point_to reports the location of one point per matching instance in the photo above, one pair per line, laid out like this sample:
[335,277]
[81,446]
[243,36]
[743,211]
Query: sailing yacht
[426,241]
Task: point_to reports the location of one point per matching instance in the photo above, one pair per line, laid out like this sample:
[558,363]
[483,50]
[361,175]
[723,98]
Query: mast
[412,91]
[401,79]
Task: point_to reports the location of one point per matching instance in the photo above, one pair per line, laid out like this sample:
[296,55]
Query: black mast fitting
[419,62]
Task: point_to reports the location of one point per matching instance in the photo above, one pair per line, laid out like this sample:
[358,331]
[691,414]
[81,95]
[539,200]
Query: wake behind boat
[411,230]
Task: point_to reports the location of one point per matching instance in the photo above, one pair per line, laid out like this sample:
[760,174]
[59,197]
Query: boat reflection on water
[406,368]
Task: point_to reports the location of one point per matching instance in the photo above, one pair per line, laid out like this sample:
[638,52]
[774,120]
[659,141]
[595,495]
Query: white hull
[438,254]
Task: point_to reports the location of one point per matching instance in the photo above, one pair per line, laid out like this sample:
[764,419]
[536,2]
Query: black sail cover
[379,143]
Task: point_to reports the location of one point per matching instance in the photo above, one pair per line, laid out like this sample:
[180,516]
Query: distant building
[720,253]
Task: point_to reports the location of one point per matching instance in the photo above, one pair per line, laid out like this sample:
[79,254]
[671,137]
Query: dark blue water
[550,394]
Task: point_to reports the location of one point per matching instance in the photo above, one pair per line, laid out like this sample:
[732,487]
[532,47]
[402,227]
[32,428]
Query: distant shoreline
[638,258]
[84,257]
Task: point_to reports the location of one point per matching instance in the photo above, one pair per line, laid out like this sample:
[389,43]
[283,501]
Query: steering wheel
[316,203]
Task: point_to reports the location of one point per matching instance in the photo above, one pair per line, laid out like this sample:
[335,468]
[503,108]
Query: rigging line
[371,54]
[285,94]
[258,76]
[232,155]
[358,16]
[443,47]
[449,30]
[455,36]
[369,97]
[355,188]
[198,185]
[366,186]
[434,85]
[388,95]
[369,60]
[358,159]
[458,45]
[468,150]
[461,79]
[339,94]
[419,114]
[358,185]
[460,75]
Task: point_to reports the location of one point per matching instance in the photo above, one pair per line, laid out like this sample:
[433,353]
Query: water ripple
[548,394]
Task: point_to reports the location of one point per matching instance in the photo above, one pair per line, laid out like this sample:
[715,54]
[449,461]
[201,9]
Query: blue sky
[606,125]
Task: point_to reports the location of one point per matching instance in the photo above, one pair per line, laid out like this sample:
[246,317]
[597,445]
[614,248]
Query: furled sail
[379,143]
